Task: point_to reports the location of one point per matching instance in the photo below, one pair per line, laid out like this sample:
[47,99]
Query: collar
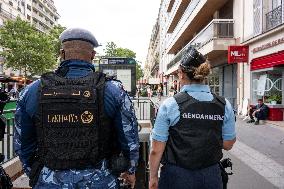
[76,63]
[195,88]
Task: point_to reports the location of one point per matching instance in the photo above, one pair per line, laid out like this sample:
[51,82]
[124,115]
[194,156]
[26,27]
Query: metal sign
[238,54]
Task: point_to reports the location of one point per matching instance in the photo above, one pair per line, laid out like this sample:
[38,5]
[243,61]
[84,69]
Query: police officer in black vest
[72,125]
[190,131]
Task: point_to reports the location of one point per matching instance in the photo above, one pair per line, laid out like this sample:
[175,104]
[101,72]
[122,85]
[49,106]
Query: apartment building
[151,68]
[210,26]
[263,32]
[43,14]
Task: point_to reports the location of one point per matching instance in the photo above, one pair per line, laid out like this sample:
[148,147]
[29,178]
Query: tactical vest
[195,142]
[72,128]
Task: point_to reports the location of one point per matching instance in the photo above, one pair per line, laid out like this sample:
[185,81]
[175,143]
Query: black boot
[251,121]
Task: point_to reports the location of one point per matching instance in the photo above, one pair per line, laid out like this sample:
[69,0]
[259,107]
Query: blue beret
[78,34]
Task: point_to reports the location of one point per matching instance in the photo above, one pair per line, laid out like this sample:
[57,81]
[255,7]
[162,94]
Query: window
[11,3]
[19,9]
[213,81]
[28,17]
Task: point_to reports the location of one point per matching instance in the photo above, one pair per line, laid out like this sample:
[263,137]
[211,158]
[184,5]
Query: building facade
[265,69]
[151,73]
[43,14]
[212,26]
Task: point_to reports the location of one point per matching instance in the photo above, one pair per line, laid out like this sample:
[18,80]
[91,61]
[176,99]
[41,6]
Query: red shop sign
[238,54]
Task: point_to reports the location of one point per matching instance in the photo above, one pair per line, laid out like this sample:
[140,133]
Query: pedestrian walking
[73,125]
[149,92]
[190,131]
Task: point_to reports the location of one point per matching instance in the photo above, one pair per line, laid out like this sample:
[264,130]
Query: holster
[35,172]
[118,164]
[225,176]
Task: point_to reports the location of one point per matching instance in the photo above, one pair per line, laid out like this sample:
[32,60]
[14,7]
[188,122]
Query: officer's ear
[93,54]
[62,54]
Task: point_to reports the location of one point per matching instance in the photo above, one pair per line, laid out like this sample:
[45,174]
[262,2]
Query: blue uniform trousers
[174,177]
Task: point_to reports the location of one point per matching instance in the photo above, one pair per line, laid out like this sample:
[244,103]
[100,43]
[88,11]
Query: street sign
[238,54]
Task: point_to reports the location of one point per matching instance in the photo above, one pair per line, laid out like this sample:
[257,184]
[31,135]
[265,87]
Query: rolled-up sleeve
[228,129]
[168,115]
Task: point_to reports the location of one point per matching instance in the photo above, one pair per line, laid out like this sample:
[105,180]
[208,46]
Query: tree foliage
[54,34]
[26,49]
[139,71]
[110,49]
[113,51]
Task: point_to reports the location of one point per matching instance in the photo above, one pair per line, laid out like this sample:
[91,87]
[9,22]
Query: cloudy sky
[128,23]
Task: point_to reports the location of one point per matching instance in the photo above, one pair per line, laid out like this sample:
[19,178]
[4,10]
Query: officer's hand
[153,183]
[129,179]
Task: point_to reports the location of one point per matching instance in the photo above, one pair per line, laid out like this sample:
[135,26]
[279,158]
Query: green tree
[123,52]
[54,34]
[113,51]
[26,49]
[110,49]
[139,71]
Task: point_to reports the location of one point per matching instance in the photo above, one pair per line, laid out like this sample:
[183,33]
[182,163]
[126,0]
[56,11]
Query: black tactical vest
[73,131]
[195,142]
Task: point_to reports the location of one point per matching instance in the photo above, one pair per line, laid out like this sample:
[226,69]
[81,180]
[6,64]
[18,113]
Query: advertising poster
[125,77]
[261,85]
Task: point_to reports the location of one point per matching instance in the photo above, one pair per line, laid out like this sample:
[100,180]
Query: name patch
[203,116]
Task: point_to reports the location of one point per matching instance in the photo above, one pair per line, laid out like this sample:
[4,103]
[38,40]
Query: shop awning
[268,61]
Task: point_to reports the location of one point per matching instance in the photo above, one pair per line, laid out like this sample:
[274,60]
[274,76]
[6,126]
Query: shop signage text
[268,45]
[237,54]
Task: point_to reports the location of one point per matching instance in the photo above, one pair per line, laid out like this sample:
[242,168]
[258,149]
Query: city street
[257,156]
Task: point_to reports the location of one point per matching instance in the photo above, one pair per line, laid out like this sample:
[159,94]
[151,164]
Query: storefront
[266,70]
[267,74]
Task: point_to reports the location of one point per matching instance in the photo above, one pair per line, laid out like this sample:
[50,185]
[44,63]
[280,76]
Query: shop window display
[267,85]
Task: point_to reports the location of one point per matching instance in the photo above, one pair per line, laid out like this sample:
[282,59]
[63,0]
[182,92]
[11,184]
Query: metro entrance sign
[237,54]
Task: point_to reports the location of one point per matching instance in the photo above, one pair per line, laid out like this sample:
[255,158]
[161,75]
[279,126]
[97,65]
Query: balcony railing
[7,147]
[274,18]
[190,8]
[45,13]
[173,12]
[7,14]
[217,28]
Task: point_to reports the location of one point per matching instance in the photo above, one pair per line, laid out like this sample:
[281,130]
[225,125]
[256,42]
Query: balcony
[7,14]
[273,18]
[45,13]
[42,20]
[197,14]
[170,5]
[178,10]
[213,39]
[39,27]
